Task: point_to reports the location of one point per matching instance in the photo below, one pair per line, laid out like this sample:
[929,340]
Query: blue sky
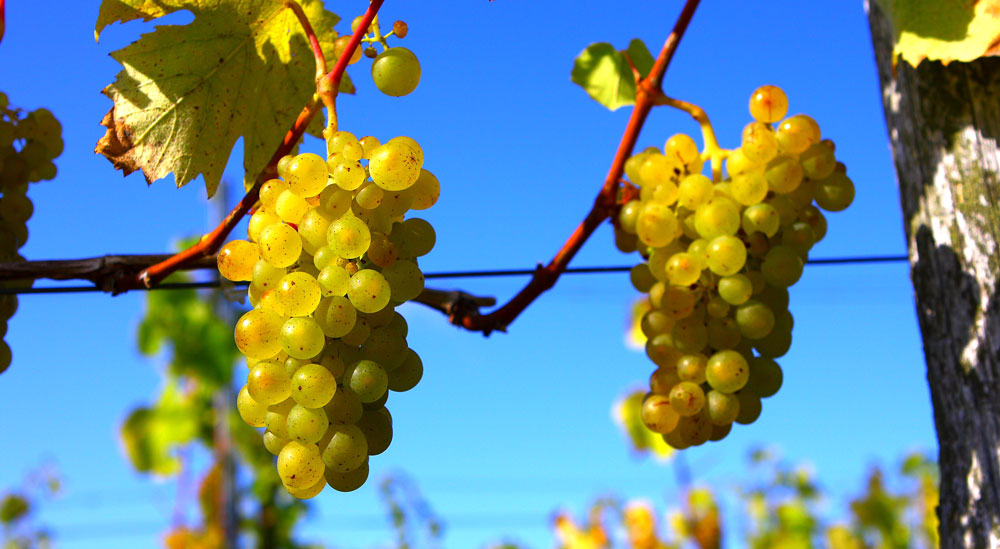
[506,429]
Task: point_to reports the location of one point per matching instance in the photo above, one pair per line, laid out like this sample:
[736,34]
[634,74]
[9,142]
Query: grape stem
[3,20]
[712,151]
[648,90]
[210,243]
[311,35]
[329,84]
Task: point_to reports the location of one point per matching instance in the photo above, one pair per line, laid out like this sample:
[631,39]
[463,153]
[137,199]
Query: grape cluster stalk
[29,143]
[719,257]
[330,254]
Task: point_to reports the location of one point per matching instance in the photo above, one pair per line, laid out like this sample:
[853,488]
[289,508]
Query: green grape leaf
[640,56]
[150,435]
[603,72]
[627,413]
[242,68]
[944,31]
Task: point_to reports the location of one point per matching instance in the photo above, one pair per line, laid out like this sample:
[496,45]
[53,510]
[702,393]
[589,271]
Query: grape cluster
[29,142]
[719,257]
[329,258]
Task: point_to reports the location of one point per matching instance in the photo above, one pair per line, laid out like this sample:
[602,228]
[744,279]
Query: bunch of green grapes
[330,255]
[719,258]
[29,142]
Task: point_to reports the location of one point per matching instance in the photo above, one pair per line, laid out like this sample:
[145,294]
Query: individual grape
[784,174]
[298,294]
[252,412]
[273,443]
[271,190]
[306,425]
[368,291]
[385,346]
[718,217]
[761,218]
[349,481]
[749,408]
[346,450]
[787,211]
[816,220]
[290,207]
[768,104]
[719,432]
[358,334]
[369,196]
[313,385]
[348,175]
[722,408]
[776,343]
[353,151]
[405,280]
[377,427]
[800,237]
[258,334]
[818,161]
[418,238]
[658,169]
[687,398]
[692,368]
[835,193]
[754,319]
[349,237]
[308,493]
[690,335]
[765,377]
[395,166]
[663,379]
[727,371]
[299,465]
[694,190]
[759,142]
[396,72]
[681,149]
[797,133]
[280,245]
[661,350]
[313,227]
[748,188]
[656,225]
[344,407]
[425,191]
[655,322]
[726,255]
[302,337]
[307,175]
[367,380]
[276,416]
[335,201]
[738,163]
[236,260]
[408,374]
[334,281]
[678,302]
[268,383]
[641,277]
[658,415]
[717,307]
[699,249]
[695,430]
[683,269]
[259,221]
[782,266]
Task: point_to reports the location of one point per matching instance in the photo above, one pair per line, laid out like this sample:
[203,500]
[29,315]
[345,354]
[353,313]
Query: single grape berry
[400,29]
[396,72]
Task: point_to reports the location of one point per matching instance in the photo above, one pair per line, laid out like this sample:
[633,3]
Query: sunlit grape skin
[396,71]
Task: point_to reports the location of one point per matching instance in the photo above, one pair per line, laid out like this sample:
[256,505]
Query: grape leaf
[640,56]
[150,435]
[242,68]
[605,75]
[946,30]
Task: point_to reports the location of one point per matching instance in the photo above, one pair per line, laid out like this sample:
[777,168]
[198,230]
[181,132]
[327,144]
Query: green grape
[418,237]
[737,163]
[344,407]
[775,297]
[334,281]
[662,380]
[717,307]
[797,133]
[259,221]
[384,346]
[722,408]
[761,218]
[655,322]
[678,302]
[252,412]
[268,383]
[382,251]
[719,432]
[276,416]
[749,408]
[675,440]
[628,215]
[395,204]
[346,450]
[658,415]
[302,337]
[396,72]
[768,104]
[681,149]
[396,165]
[313,385]
[290,207]
[299,465]
[297,294]
[349,237]
[369,291]
[308,493]
[347,175]
[835,193]
[313,227]
[759,142]
[818,161]
[726,255]
[335,201]
[377,220]
[687,398]
[353,151]
[765,377]
[755,319]
[665,193]
[377,427]
[749,187]
[683,269]
[280,245]
[425,191]
[273,443]
[408,374]
[367,379]
[782,266]
[800,237]
[258,334]
[727,371]
[369,196]
[784,174]
[306,425]
[692,368]
[661,351]
[719,216]
[323,257]
[236,260]
[816,220]
[699,249]
[787,211]
[405,280]
[776,343]
[656,170]
[306,175]
[656,225]
[694,190]
[690,335]
[358,334]
[641,277]
[349,481]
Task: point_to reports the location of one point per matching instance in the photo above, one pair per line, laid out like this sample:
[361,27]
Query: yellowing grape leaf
[944,30]
[628,414]
[242,68]
[150,435]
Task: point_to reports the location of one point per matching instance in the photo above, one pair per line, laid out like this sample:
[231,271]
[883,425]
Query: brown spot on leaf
[117,146]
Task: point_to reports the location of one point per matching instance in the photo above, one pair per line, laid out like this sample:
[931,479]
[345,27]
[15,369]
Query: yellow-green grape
[406,376]
[252,412]
[290,207]
[665,193]
[699,249]
[719,216]
[273,443]
[787,211]
[259,221]
[690,334]
[313,385]
[268,383]
[782,266]
[761,218]
[655,322]
[727,371]
[308,493]
[335,201]
[367,379]
[258,334]
[339,140]
[271,190]
[236,260]
[385,346]
[396,72]
[759,142]
[369,196]
[687,398]
[368,144]
[396,203]
[765,377]
[265,276]
[349,237]
[658,415]
[768,104]
[749,188]
[799,236]
[784,174]
[681,149]
[835,193]
[334,281]
[658,258]
[694,190]
[692,368]
[377,426]
[323,258]
[348,175]
[634,164]
[377,220]
[349,481]
[313,227]
[396,165]
[302,337]
[298,294]
[382,251]
[662,380]
[750,408]
[628,215]
[656,225]
[818,161]
[657,169]
[307,175]
[723,333]
[735,289]
[803,195]
[797,133]
[722,408]
[641,277]
[683,269]
[339,316]
[815,219]
[737,162]
[779,341]
[346,450]
[306,425]
[368,292]
[405,280]
[661,351]
[280,245]
[344,408]
[755,319]
[418,238]
[353,151]
[726,255]
[678,302]
[300,465]
[425,191]
[276,416]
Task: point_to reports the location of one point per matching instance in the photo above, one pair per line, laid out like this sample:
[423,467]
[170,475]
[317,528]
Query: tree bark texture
[944,123]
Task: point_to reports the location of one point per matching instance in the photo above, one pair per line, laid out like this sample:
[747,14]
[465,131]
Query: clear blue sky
[504,430]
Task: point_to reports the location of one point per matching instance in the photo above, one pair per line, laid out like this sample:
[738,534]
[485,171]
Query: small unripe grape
[340,44]
[396,72]
[768,104]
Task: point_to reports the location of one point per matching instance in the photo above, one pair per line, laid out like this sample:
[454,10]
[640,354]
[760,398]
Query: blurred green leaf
[605,75]
[151,435]
[640,56]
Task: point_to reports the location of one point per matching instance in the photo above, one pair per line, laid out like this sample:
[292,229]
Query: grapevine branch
[649,89]
[211,242]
